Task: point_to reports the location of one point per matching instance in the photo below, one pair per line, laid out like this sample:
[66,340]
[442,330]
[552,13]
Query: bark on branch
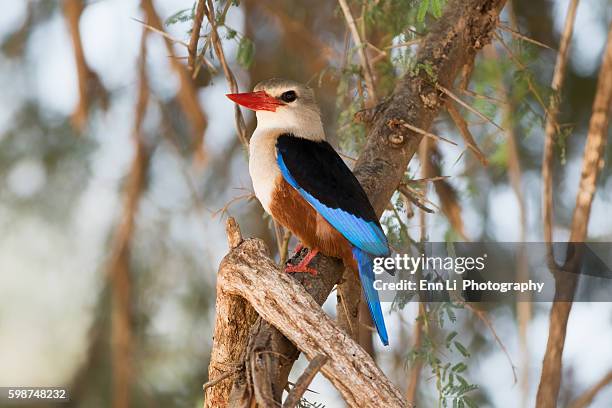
[304,381]
[234,317]
[248,272]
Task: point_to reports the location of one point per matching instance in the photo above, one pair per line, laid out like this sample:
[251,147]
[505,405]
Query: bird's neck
[307,125]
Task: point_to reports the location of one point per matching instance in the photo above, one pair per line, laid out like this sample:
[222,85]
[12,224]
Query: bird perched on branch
[305,186]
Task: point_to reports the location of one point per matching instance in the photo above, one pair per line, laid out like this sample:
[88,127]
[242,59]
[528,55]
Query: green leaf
[450,338]
[444,370]
[461,349]
[422,11]
[246,50]
[230,33]
[451,315]
[180,16]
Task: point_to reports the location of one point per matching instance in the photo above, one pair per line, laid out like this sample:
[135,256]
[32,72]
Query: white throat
[304,123]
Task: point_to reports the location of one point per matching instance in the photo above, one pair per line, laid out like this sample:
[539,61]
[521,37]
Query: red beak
[259,100]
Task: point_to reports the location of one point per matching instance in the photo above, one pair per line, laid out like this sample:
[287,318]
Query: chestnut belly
[292,211]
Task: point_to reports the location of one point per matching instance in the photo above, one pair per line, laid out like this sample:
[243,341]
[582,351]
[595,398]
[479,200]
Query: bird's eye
[288,96]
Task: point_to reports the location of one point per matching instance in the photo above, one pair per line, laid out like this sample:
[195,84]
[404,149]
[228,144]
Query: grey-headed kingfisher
[305,186]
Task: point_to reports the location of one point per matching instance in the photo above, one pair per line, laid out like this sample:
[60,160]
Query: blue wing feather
[366,235]
[366,275]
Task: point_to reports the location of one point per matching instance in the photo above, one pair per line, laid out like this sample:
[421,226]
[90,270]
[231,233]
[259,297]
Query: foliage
[451,382]
[246,47]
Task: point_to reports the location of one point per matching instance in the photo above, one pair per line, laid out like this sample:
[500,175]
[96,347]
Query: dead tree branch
[248,272]
[592,164]
[234,317]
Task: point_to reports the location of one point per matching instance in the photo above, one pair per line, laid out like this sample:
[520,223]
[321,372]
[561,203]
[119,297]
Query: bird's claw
[300,269]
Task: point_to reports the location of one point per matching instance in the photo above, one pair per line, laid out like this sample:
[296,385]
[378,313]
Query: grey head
[299,113]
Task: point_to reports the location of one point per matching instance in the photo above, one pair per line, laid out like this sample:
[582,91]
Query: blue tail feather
[365,263]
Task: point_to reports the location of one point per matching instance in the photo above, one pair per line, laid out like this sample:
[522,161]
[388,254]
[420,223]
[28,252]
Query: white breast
[263,167]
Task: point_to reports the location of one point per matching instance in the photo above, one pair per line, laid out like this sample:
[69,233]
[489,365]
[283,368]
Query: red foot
[303,267]
[300,269]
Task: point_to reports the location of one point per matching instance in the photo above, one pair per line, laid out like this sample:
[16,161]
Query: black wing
[318,173]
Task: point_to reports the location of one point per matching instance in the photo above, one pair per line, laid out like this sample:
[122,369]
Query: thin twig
[428,179]
[195,34]
[465,133]
[209,11]
[523,37]
[163,34]
[523,306]
[522,67]
[587,398]
[367,73]
[223,210]
[466,106]
[404,44]
[551,123]
[485,319]
[415,198]
[217,380]
[485,97]
[426,133]
[346,156]
[304,381]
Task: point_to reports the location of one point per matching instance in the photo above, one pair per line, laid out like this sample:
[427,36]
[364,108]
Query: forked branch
[248,272]
[592,164]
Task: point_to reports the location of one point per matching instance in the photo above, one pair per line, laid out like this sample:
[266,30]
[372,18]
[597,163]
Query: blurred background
[118,166]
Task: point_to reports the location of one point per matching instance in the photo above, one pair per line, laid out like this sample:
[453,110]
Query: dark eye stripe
[288,96]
